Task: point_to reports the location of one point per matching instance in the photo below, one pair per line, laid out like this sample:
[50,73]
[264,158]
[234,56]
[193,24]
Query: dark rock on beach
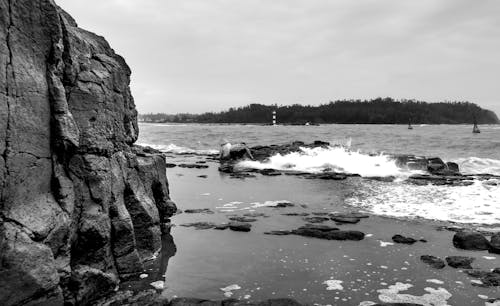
[468,240]
[487,278]
[242,219]
[200,225]
[81,206]
[328,233]
[199,211]
[345,219]
[460,262]
[240,226]
[433,261]
[316,219]
[495,243]
[403,239]
[193,166]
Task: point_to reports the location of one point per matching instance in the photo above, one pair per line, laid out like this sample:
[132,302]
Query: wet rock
[193,166]
[242,219]
[403,240]
[349,215]
[460,262]
[200,225]
[433,261]
[468,240]
[270,172]
[231,302]
[255,215]
[328,233]
[283,205]
[199,211]
[81,205]
[346,219]
[278,233]
[320,213]
[487,278]
[435,164]
[495,243]
[327,176]
[221,227]
[315,219]
[241,175]
[240,226]
[203,176]
[170,165]
[295,214]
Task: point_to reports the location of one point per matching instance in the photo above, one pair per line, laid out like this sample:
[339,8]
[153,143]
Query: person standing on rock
[234,152]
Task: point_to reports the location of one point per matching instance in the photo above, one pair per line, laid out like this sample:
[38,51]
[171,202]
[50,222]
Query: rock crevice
[81,206]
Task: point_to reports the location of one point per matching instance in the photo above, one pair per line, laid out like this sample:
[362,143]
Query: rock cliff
[81,207]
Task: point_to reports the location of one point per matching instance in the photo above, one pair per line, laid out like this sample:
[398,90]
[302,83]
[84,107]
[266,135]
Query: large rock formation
[81,207]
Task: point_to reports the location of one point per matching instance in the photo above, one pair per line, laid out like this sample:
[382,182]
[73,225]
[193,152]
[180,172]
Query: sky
[208,55]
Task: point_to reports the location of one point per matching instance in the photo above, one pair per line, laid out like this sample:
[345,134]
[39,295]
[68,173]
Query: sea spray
[334,159]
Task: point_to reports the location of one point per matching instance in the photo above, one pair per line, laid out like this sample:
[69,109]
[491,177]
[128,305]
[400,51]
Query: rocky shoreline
[82,207]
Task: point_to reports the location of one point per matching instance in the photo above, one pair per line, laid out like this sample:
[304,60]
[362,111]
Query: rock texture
[80,205]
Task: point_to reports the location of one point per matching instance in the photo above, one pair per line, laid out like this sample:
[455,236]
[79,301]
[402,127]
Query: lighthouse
[274,117]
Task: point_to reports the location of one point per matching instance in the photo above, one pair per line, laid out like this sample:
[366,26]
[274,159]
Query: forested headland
[375,111]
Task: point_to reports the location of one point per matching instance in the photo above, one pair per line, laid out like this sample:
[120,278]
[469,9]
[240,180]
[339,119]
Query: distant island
[375,111]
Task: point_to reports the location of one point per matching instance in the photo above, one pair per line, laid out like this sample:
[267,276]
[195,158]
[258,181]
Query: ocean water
[363,150]
[214,264]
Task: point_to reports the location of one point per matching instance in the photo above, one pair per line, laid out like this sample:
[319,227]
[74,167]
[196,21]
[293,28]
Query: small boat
[475,129]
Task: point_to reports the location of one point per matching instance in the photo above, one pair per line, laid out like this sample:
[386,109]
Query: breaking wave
[335,159]
[476,165]
[477,203]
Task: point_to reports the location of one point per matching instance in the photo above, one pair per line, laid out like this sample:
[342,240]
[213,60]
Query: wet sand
[309,270]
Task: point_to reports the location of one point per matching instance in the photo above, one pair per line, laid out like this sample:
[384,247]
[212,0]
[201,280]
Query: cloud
[198,55]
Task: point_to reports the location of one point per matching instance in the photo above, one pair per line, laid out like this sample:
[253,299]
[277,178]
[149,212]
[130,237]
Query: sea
[253,266]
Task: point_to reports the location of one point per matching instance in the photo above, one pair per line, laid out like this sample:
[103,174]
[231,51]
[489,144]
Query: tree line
[374,111]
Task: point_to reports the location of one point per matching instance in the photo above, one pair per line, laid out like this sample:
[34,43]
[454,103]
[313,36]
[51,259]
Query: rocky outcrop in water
[81,207]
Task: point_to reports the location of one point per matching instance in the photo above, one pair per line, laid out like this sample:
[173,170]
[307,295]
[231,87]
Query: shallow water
[312,270]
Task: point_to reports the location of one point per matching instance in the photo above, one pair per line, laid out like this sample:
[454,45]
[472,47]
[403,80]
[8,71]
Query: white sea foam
[173,148]
[433,297]
[337,159]
[333,284]
[476,165]
[477,203]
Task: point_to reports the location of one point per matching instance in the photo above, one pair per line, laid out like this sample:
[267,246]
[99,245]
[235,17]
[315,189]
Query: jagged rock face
[80,205]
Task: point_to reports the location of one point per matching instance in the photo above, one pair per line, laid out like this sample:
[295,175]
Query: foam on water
[336,159]
[477,203]
[476,165]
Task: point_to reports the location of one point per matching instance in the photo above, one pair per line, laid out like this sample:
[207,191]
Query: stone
[343,220]
[278,233]
[468,240]
[315,219]
[199,211]
[193,166]
[433,261]
[200,225]
[495,243]
[328,233]
[242,219]
[81,205]
[240,226]
[349,215]
[403,240]
[487,278]
[460,262]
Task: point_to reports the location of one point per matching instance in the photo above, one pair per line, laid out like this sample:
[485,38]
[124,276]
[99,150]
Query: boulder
[433,261]
[460,262]
[403,239]
[468,240]
[343,220]
[315,219]
[495,243]
[328,233]
[240,226]
[199,211]
[81,205]
[242,219]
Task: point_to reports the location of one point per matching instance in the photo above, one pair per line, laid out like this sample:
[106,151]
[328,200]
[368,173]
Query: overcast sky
[208,55]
